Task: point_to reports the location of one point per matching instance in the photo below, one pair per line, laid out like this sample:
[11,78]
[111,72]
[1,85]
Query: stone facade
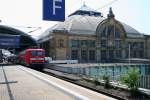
[62,48]
[111,41]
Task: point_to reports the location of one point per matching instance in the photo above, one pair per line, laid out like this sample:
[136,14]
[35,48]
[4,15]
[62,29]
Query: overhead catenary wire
[75,5]
[20,26]
[28,27]
[107,4]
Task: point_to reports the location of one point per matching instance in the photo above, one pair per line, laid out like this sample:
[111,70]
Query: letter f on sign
[54,10]
[55,6]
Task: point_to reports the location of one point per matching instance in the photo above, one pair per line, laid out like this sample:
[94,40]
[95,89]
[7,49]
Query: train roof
[35,49]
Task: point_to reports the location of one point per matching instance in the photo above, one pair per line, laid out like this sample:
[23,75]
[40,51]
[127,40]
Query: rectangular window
[118,54]
[111,54]
[92,55]
[147,70]
[74,54]
[103,43]
[75,43]
[127,44]
[84,43]
[135,46]
[127,53]
[91,43]
[141,45]
[103,54]
[141,54]
[84,55]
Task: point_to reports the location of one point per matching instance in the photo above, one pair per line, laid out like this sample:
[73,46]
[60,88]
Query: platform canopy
[14,39]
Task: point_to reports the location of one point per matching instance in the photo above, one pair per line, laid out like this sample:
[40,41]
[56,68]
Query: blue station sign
[9,41]
[54,10]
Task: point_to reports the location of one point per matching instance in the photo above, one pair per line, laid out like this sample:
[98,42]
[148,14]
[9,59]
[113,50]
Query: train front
[37,58]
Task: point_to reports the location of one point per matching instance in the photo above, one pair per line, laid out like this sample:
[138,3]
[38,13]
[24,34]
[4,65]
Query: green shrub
[106,81]
[131,80]
[96,82]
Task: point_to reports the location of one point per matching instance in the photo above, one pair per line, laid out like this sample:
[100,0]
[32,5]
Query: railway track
[75,81]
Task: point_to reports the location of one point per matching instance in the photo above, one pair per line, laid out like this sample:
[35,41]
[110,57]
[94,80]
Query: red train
[34,58]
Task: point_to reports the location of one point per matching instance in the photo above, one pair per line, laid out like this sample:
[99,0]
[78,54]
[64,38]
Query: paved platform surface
[21,83]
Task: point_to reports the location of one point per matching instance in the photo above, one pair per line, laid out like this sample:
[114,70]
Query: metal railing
[115,73]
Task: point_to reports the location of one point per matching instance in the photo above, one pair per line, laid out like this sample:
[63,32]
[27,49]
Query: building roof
[85,10]
[79,24]
[84,24]
[26,40]
[131,32]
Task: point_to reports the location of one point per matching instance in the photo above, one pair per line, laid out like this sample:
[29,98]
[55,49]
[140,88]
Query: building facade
[87,36]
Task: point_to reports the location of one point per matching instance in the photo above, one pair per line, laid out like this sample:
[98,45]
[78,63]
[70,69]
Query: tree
[131,80]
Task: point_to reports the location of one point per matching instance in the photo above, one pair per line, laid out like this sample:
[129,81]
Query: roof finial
[110,15]
[84,3]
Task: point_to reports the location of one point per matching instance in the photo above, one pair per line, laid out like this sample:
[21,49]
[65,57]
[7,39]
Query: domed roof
[79,24]
[85,10]
[75,24]
[83,24]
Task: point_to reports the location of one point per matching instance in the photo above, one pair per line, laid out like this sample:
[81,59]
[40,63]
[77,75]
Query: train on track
[33,58]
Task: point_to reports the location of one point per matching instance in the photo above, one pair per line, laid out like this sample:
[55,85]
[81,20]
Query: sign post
[54,10]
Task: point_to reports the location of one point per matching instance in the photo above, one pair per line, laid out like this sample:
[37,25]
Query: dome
[75,24]
[79,24]
[85,10]
[85,24]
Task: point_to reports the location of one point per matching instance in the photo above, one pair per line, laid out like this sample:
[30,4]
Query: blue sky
[29,13]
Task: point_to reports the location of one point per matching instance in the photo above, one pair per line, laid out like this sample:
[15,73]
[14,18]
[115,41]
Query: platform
[21,83]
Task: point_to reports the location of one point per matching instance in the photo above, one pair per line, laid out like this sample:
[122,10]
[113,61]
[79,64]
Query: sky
[28,13]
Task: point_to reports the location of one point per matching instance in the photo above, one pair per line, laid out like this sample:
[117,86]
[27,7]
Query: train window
[37,53]
[33,53]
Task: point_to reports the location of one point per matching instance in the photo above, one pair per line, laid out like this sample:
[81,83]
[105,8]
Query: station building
[87,36]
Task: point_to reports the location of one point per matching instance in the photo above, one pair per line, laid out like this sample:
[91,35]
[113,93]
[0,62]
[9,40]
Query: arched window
[110,32]
[117,43]
[117,33]
[111,38]
[103,43]
[103,34]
